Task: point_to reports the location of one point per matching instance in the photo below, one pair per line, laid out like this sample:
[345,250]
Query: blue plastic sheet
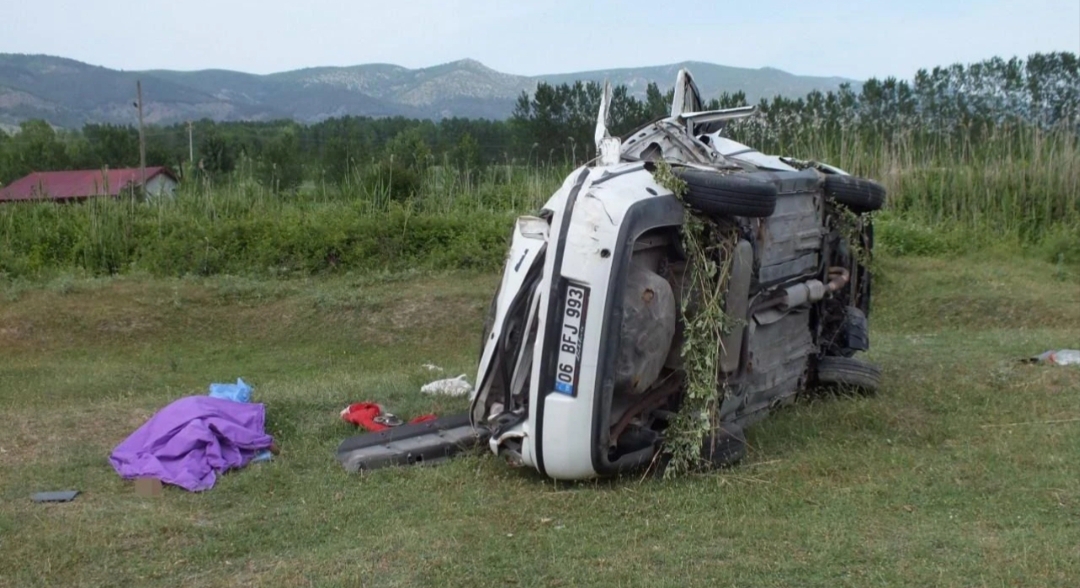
[238,392]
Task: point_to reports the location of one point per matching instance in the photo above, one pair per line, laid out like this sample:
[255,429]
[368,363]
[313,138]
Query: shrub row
[106,238]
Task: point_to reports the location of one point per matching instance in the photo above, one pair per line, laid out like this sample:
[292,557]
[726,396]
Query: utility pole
[142,136]
[190,145]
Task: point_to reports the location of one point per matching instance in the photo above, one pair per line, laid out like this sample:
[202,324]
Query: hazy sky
[830,37]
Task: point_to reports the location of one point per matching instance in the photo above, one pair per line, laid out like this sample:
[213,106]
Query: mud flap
[421,443]
[856,331]
[736,305]
[725,446]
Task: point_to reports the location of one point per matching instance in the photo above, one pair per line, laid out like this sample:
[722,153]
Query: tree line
[554,126]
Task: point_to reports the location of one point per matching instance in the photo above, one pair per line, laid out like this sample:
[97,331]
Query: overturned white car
[579,373]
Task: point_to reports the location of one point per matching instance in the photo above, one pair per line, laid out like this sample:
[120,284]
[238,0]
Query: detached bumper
[422,443]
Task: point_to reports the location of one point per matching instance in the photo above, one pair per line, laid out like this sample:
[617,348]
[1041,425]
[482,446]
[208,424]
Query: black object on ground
[414,444]
[724,446]
[62,496]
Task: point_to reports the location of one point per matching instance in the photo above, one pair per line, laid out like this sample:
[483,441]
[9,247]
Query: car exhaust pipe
[814,290]
[838,278]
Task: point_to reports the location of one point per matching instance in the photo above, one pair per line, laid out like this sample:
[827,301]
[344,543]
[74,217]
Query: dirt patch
[127,325]
[16,331]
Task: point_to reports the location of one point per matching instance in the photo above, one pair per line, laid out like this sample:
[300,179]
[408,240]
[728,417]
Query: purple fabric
[190,441]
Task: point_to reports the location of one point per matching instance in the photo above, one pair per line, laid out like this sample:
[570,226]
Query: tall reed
[1015,184]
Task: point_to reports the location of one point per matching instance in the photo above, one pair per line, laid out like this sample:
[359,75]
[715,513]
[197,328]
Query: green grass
[962,471]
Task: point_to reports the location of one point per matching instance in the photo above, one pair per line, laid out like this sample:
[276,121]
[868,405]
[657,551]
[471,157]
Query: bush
[390,182]
[1061,245]
[110,237]
[438,218]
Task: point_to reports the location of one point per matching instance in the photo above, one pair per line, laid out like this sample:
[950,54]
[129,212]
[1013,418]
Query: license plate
[571,337]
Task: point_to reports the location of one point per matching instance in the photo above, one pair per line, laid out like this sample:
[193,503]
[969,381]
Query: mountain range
[69,93]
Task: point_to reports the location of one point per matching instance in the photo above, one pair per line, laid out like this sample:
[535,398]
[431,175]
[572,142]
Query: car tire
[858,194]
[849,372]
[715,194]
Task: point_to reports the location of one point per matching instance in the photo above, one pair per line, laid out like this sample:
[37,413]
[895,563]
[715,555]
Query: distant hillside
[69,93]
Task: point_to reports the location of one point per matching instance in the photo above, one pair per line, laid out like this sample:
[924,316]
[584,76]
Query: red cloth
[363,414]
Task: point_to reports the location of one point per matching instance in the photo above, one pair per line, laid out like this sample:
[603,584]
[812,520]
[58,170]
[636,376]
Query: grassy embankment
[962,471]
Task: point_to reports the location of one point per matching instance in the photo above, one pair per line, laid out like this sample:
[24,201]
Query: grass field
[963,471]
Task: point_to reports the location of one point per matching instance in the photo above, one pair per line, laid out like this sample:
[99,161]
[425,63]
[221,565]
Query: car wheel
[728,195]
[858,194]
[849,372]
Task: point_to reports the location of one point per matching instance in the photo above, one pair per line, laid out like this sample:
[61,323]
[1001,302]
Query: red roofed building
[71,186]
